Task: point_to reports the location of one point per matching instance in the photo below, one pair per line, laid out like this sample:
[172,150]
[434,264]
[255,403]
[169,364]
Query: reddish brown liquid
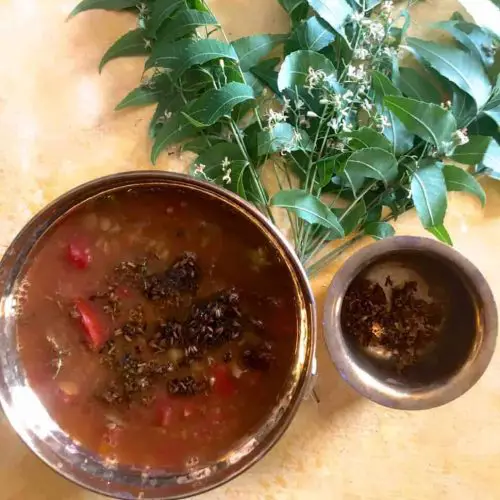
[66,374]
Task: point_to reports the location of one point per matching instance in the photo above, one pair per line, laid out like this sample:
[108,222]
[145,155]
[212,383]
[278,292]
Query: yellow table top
[58,129]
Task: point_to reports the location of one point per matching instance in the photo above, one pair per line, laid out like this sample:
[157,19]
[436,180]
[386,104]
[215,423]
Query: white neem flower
[347,96]
[225,163]
[334,124]
[446,105]
[361,53]
[356,73]
[315,77]
[227,176]
[387,7]
[376,31]
[367,105]
[296,137]
[275,117]
[460,137]
[286,105]
[389,52]
[299,104]
[384,122]
[312,114]
[357,17]
[347,127]
[200,169]
[304,122]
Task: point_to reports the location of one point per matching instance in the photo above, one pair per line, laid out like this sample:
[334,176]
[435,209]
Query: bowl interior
[438,282]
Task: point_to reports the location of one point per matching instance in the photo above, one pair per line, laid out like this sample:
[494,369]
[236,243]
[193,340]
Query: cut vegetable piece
[79,255]
[92,326]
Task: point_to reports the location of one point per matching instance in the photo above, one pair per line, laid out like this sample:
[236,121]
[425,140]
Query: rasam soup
[157,326]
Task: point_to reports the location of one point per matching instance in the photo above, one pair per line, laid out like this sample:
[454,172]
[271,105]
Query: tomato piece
[224,384]
[79,255]
[92,326]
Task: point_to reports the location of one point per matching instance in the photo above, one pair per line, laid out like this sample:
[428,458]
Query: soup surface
[157,328]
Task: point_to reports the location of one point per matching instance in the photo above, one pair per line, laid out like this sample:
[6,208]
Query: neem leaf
[176,129]
[265,72]
[309,208]
[132,43]
[295,68]
[216,103]
[351,216]
[366,137]
[457,66]
[184,54]
[440,233]
[374,163]
[398,135]
[428,190]
[102,4]
[313,34]
[185,22]
[472,37]
[296,9]
[379,230]
[474,151]
[282,137]
[141,96]
[251,49]
[429,121]
[458,179]
[382,85]
[485,13]
[334,12]
[162,10]
[418,85]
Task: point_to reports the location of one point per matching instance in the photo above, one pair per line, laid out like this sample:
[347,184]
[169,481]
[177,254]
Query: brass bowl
[68,457]
[464,344]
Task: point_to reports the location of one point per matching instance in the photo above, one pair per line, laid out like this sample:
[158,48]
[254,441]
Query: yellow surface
[58,129]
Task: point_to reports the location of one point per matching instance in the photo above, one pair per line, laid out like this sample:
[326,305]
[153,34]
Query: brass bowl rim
[378,390]
[10,265]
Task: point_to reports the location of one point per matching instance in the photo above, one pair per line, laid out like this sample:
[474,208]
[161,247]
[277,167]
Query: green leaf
[102,4]
[428,191]
[374,163]
[296,9]
[200,144]
[147,93]
[366,137]
[418,85]
[141,96]
[324,170]
[334,12]
[351,216]
[440,233]
[216,103]
[398,135]
[132,43]
[176,129]
[181,55]
[379,230]
[265,72]
[429,121]
[478,41]
[282,137]
[251,49]
[474,151]
[485,13]
[463,106]
[314,34]
[309,208]
[185,22]
[458,179]
[383,86]
[295,68]
[169,102]
[161,11]
[457,66]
